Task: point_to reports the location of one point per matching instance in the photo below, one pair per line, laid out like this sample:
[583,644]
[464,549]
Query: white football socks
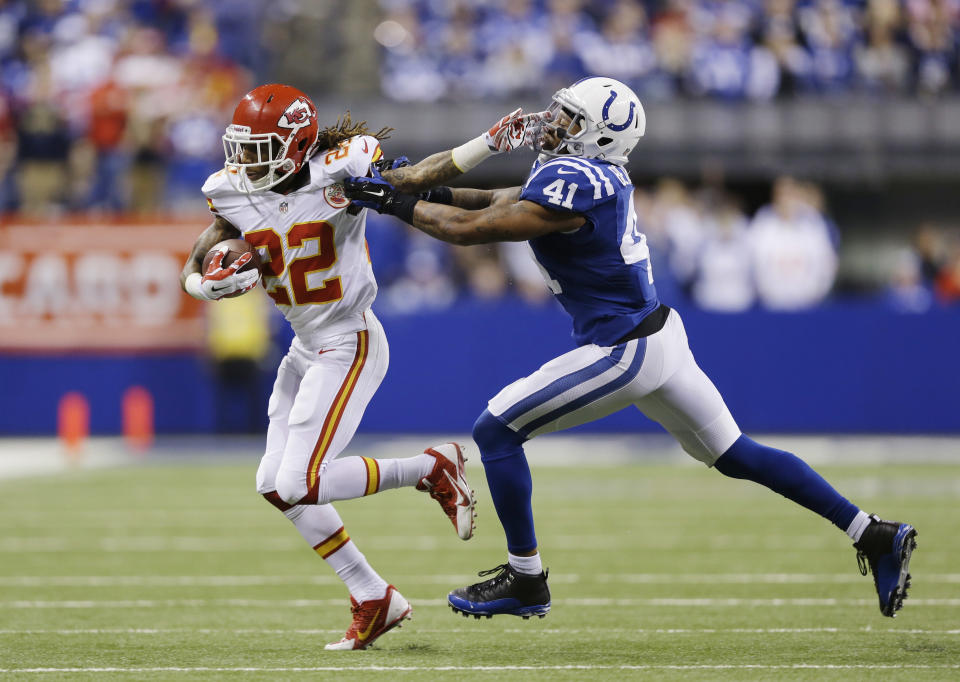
[346,478]
[527,565]
[321,527]
[859,524]
[400,473]
[351,565]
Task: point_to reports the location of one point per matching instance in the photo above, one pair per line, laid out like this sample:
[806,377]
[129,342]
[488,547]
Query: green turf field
[166,571]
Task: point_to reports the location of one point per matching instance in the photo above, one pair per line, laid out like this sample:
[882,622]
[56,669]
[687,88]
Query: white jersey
[316,266]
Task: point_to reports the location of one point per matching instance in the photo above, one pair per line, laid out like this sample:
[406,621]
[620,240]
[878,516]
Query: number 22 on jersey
[300,233]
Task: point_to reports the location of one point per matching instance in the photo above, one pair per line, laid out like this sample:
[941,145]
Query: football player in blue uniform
[576,211]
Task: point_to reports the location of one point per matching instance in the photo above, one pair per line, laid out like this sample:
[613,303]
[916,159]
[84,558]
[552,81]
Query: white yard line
[489,668]
[566,578]
[314,603]
[443,631]
[290,542]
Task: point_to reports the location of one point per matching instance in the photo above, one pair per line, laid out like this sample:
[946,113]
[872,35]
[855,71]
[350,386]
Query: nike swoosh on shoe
[456,485]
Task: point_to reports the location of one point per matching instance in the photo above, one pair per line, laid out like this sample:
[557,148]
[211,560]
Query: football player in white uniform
[280,191]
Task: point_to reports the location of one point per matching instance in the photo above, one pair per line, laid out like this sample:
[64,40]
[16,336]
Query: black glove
[380,195]
[378,167]
[438,195]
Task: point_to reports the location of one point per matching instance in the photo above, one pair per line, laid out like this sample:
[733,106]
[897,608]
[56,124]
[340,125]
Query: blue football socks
[788,475]
[508,475]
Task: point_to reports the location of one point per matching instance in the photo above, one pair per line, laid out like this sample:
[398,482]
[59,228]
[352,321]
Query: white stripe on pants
[669,388]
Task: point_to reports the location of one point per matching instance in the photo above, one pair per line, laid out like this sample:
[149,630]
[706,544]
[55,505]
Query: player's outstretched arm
[513,221]
[507,134]
[432,171]
[504,220]
[474,199]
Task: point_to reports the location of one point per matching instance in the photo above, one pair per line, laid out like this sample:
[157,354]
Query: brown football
[235,249]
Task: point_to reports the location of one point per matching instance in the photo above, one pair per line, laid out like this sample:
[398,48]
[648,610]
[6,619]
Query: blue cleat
[886,546]
[508,592]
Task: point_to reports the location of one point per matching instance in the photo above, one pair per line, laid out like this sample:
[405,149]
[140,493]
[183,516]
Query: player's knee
[291,486]
[494,438]
[266,476]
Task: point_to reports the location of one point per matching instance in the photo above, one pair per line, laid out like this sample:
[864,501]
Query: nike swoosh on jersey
[325,350]
[362,636]
[560,171]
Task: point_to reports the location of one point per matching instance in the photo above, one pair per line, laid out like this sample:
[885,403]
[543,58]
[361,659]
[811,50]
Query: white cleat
[371,619]
[447,484]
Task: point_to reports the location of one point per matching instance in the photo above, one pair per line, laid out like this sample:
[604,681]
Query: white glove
[513,130]
[219,281]
[533,127]
[510,132]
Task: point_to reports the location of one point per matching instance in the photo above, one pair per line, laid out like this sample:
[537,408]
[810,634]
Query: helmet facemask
[270,151]
[568,134]
[605,121]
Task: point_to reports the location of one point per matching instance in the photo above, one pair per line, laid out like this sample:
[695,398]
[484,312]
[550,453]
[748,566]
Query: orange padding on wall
[138,418]
[73,421]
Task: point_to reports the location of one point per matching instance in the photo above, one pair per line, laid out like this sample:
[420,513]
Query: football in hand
[235,249]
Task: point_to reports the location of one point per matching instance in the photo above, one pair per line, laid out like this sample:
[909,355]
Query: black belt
[651,324]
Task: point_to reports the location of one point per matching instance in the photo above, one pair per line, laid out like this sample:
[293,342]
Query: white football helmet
[606,115]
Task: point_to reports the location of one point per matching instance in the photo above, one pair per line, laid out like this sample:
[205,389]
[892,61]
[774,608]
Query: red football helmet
[273,134]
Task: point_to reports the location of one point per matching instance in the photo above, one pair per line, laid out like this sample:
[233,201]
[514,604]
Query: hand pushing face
[559,128]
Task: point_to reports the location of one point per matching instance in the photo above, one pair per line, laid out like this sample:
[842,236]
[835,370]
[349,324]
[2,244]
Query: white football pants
[657,374]
[318,398]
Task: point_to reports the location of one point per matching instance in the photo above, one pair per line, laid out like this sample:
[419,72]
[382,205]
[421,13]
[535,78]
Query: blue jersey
[600,272]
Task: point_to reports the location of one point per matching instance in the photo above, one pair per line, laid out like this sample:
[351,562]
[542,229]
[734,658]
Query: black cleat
[507,592]
[886,547]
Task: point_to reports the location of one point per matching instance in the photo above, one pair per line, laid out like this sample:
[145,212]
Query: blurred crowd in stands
[109,106]
[117,107]
[706,251]
[757,49]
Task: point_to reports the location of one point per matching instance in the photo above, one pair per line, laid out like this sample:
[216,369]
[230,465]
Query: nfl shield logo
[283,206]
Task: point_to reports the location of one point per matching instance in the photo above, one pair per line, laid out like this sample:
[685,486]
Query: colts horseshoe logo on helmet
[606,112]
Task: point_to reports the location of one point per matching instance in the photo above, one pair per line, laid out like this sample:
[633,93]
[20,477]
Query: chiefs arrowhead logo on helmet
[297,115]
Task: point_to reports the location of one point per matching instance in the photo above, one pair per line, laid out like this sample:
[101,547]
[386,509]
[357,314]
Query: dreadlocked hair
[344,129]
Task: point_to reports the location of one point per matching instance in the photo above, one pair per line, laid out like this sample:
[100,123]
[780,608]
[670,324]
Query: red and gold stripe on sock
[334,415]
[332,543]
[373,475]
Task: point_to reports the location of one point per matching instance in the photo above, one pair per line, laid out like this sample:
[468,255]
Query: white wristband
[192,286]
[471,154]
